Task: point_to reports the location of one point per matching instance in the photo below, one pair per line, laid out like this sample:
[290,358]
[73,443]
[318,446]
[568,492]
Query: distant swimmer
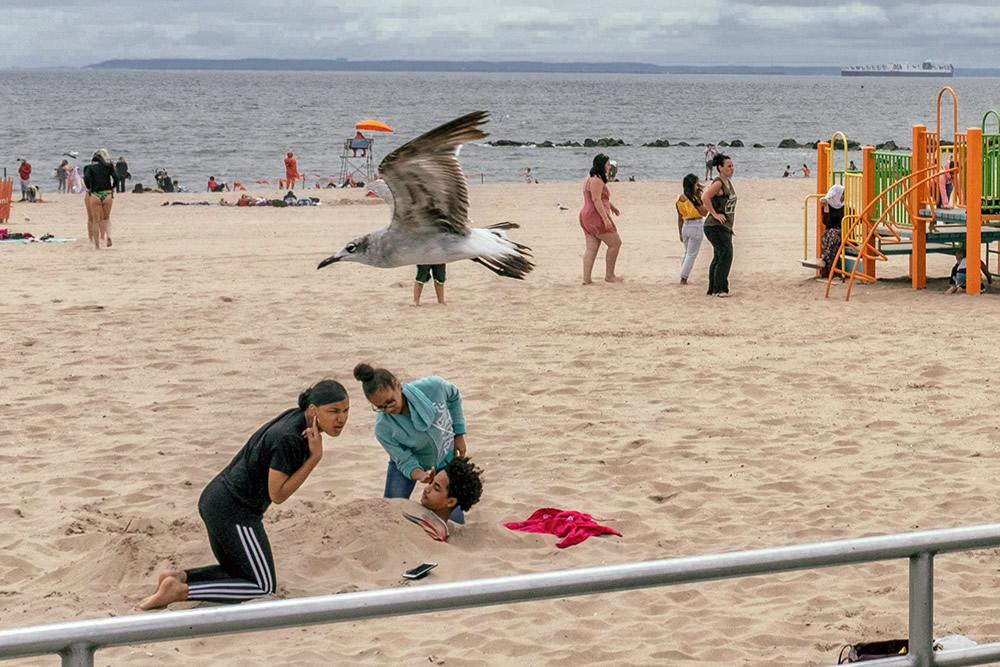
[272,465]
[430,210]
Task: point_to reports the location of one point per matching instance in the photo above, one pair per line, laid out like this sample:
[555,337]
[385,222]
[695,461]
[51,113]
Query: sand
[690,424]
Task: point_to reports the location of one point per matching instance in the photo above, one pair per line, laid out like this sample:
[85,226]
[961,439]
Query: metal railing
[76,641]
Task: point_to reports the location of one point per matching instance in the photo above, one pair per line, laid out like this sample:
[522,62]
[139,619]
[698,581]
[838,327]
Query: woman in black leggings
[270,468]
[720,200]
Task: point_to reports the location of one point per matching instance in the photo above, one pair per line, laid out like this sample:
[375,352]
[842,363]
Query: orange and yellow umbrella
[373,125]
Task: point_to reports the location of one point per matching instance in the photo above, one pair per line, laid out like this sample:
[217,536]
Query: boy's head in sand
[381,388]
[328,404]
[457,484]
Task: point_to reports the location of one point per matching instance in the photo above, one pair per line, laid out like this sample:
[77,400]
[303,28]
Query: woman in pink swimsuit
[596,221]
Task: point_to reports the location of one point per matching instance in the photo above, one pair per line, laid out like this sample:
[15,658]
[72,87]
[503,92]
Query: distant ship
[926,69]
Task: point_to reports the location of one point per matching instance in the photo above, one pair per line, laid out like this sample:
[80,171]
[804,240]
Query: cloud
[55,32]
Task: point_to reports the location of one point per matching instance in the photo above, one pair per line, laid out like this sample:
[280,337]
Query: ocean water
[239,125]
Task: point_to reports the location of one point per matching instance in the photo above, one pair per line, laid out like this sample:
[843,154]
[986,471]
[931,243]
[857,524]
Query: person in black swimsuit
[269,469]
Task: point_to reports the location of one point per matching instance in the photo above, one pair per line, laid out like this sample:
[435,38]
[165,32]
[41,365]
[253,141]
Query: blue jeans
[399,486]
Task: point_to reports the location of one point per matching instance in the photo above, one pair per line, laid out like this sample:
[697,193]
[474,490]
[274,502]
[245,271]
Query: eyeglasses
[385,406]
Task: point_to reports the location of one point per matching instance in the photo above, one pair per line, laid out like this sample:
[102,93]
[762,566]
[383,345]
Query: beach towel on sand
[573,527]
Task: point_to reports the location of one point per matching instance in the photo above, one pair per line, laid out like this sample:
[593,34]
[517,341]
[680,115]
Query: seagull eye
[351,247]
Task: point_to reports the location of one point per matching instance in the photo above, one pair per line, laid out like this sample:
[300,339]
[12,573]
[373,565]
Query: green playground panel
[991,174]
[991,166]
[890,168]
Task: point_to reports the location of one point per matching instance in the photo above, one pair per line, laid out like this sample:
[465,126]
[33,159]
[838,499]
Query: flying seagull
[430,210]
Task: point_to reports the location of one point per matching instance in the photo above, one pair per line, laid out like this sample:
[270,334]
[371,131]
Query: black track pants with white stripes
[246,568]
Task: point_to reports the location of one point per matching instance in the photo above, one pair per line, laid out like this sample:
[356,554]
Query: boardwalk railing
[77,641]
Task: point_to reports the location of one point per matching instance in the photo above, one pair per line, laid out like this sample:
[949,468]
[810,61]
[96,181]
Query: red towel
[573,527]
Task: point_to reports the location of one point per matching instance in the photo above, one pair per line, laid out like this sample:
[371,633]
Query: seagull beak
[329,260]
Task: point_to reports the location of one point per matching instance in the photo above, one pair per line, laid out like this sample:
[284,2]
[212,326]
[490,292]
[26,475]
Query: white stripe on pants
[692,234]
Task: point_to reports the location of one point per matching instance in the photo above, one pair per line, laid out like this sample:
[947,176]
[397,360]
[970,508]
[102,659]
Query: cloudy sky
[46,33]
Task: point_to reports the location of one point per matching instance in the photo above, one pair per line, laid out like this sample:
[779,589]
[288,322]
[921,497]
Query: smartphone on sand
[420,571]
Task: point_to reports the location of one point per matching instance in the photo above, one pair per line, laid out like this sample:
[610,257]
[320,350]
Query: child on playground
[958,273]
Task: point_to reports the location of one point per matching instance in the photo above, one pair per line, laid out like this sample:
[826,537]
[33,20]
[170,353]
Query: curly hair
[464,482]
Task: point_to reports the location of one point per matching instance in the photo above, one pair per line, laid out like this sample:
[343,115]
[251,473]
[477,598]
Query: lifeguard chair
[357,162]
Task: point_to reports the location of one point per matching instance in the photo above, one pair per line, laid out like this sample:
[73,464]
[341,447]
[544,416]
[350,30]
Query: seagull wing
[428,188]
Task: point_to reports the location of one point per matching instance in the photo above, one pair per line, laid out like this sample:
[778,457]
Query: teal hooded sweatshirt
[424,438]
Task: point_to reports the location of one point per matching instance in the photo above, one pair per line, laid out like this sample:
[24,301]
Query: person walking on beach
[24,173]
[291,170]
[719,198]
[62,175]
[420,425]
[270,467]
[690,223]
[424,272]
[100,179]
[121,169]
[595,219]
[710,154]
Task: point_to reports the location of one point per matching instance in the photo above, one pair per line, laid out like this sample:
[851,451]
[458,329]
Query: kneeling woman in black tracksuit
[271,467]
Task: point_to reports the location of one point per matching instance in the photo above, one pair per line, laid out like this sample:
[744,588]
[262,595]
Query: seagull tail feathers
[513,266]
[504,225]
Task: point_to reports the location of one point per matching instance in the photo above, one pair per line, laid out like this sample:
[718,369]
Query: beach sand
[692,425]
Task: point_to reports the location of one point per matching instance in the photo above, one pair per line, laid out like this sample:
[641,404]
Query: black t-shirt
[278,444]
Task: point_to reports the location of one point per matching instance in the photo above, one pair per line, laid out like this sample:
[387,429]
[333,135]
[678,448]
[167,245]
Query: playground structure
[892,203]
[363,166]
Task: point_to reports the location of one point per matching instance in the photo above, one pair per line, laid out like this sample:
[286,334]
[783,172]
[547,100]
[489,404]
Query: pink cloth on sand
[573,527]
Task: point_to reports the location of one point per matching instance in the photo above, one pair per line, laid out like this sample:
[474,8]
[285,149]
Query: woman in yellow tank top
[690,223]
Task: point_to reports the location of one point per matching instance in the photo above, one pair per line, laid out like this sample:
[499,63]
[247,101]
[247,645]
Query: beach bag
[865,651]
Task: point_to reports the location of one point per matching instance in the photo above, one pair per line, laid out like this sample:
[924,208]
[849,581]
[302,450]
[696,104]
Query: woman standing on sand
[62,175]
[595,219]
[269,469]
[101,180]
[720,200]
[690,223]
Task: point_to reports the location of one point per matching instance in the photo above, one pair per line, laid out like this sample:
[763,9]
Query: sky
[56,33]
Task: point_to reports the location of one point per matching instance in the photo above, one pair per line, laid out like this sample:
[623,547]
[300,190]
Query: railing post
[922,609]
[78,655]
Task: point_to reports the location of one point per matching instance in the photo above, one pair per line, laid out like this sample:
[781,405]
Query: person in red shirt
[362,144]
[24,171]
[291,170]
[216,187]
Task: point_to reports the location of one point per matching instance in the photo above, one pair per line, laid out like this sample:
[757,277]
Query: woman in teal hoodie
[420,425]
